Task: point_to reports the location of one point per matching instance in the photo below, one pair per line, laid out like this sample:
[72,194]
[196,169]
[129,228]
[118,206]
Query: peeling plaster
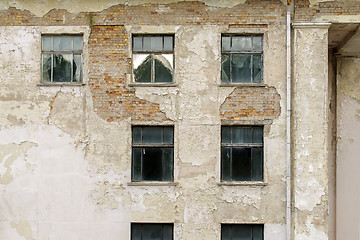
[311,233]
[308,195]
[96,6]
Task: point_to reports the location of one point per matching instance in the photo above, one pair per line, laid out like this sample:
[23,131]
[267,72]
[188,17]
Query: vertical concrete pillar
[310,119]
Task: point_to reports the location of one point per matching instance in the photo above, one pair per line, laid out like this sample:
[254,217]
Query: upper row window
[241,59]
[153,58]
[61,58]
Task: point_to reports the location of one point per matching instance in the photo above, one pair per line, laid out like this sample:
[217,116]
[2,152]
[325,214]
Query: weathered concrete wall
[348,132]
[66,150]
[310,131]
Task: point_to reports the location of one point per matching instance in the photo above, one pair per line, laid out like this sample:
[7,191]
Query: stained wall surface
[66,149]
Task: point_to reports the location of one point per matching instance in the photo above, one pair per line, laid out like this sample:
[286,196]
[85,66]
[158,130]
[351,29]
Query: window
[61,58]
[242,153]
[241,59]
[152,153]
[151,231]
[153,58]
[242,231]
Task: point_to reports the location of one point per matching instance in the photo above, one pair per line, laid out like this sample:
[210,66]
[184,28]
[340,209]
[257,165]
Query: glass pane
[241,164]
[152,164]
[257,134]
[168,43]
[137,44]
[152,134]
[135,231]
[136,135]
[241,232]
[257,68]
[226,232]
[258,232]
[225,43]
[77,42]
[46,67]
[142,67]
[257,43]
[46,43]
[225,68]
[167,232]
[241,43]
[169,135]
[151,232]
[136,164]
[77,68]
[62,68]
[257,164]
[225,164]
[242,135]
[156,43]
[226,135]
[168,158]
[241,68]
[163,68]
[62,42]
[147,43]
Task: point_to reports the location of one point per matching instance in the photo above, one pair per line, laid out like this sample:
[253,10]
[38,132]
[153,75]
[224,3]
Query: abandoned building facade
[179,120]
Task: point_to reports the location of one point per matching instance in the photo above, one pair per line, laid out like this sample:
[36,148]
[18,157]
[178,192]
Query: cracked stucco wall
[348,132]
[65,164]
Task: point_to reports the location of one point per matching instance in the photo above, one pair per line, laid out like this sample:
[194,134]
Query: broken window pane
[46,67]
[62,67]
[225,68]
[242,158]
[257,68]
[65,63]
[163,68]
[156,155]
[241,164]
[241,60]
[241,68]
[155,67]
[77,68]
[142,67]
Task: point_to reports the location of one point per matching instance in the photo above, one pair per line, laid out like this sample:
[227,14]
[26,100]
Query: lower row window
[152,231]
[242,232]
[165,231]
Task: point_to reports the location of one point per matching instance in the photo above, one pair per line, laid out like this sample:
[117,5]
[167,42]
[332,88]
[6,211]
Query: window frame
[142,146]
[251,226]
[152,53]
[132,226]
[242,52]
[246,145]
[53,52]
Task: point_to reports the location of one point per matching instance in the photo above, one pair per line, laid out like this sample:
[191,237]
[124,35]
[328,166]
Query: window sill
[150,183]
[152,85]
[60,84]
[242,85]
[244,183]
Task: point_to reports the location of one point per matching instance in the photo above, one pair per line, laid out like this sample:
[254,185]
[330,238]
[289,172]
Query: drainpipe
[290,10]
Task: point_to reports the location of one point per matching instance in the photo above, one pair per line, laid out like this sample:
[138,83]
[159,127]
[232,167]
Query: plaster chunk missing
[309,195]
